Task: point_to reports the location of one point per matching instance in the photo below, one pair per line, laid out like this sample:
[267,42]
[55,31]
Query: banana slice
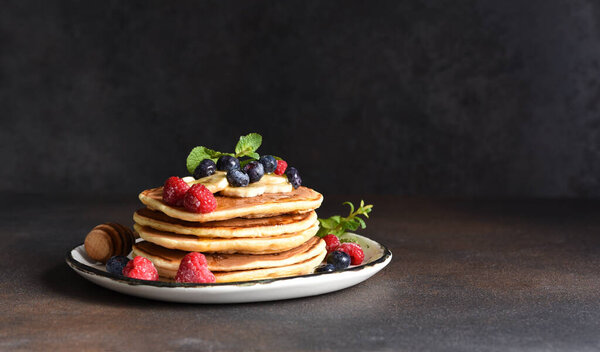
[279,188]
[256,189]
[215,182]
[252,190]
[188,179]
[267,184]
[272,179]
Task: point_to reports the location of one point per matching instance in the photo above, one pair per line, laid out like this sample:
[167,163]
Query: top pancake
[302,199]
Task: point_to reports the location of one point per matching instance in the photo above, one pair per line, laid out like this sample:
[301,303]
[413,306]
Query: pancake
[301,268]
[169,259]
[251,245]
[238,227]
[266,205]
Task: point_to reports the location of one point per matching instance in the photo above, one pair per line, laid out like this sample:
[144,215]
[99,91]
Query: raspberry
[140,268]
[174,190]
[199,199]
[353,249]
[281,166]
[331,242]
[194,268]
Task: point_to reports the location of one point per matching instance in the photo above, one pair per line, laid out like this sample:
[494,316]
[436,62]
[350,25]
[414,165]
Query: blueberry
[293,176]
[269,163]
[116,264]
[255,171]
[325,268]
[237,178]
[228,162]
[340,260]
[206,167]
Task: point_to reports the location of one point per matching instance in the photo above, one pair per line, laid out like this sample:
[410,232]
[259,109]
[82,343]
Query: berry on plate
[332,242]
[293,177]
[116,264]
[269,163]
[281,166]
[238,178]
[327,268]
[140,268]
[206,167]
[228,162]
[199,199]
[255,171]
[174,190]
[194,268]
[354,251]
[340,260]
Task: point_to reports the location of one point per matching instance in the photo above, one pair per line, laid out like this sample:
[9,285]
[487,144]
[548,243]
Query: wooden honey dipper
[107,240]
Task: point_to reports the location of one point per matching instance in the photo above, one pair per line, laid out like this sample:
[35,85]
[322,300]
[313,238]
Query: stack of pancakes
[246,238]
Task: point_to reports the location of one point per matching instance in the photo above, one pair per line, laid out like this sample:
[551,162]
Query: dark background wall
[475,98]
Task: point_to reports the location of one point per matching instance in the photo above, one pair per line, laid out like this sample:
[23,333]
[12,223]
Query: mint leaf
[338,225]
[330,223]
[362,222]
[215,154]
[350,205]
[322,232]
[350,225]
[248,144]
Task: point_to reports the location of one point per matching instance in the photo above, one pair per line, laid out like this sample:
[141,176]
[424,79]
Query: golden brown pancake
[170,258]
[298,268]
[252,245]
[266,205]
[238,227]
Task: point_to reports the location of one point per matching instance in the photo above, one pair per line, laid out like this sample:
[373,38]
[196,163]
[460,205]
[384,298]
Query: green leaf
[322,232]
[338,225]
[336,218]
[350,205]
[362,222]
[248,144]
[351,225]
[330,223]
[215,154]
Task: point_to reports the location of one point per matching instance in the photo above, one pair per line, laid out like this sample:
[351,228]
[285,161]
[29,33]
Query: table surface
[467,275]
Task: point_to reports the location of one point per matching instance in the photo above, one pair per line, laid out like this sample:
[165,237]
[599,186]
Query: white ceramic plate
[377,257]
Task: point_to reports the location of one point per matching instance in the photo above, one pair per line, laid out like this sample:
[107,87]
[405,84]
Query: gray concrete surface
[466,276]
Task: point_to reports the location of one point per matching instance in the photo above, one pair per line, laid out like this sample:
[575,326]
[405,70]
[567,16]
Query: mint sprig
[245,147]
[339,225]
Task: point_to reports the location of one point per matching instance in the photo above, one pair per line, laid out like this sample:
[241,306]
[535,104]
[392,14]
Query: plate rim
[87,269]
